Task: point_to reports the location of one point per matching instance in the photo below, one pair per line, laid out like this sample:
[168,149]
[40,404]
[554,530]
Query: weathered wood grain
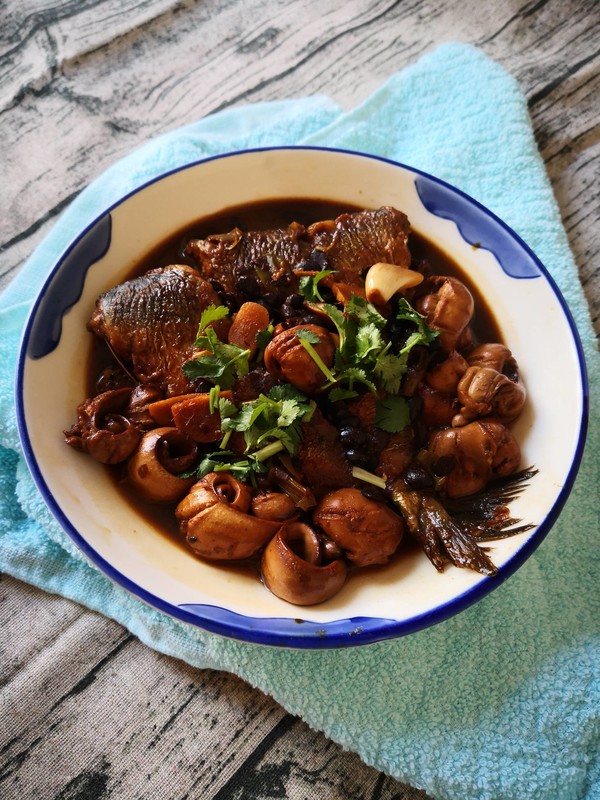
[38,39]
[87,711]
[102,89]
[100,715]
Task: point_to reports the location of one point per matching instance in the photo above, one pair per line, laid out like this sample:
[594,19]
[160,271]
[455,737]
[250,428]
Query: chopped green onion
[316,358]
[268,450]
[213,398]
[225,440]
[368,477]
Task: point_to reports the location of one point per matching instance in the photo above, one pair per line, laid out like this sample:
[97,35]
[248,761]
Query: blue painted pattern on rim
[284,627]
[440,199]
[65,287]
[477,226]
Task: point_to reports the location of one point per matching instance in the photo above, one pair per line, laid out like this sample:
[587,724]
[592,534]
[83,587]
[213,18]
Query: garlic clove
[383,280]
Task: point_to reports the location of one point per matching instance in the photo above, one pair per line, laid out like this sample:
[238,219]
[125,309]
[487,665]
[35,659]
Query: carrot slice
[250,320]
[343,291]
[192,416]
[162,410]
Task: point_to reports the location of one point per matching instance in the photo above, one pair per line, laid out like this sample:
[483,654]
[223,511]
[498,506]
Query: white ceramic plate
[394,601]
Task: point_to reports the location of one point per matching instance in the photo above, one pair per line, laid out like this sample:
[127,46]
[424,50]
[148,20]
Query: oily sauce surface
[267,215]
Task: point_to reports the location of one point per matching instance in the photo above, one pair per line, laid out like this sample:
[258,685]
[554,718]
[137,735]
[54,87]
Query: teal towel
[498,702]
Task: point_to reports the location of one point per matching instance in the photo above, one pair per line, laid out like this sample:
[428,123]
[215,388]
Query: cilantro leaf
[226,408]
[262,340]
[354,375]
[221,363]
[243,467]
[223,366]
[346,328]
[246,416]
[423,334]
[308,336]
[270,423]
[369,342]
[271,418]
[364,356]
[285,391]
[389,371]
[289,413]
[364,359]
[392,413]
[308,286]
[364,313]
[288,438]
[341,394]
[210,314]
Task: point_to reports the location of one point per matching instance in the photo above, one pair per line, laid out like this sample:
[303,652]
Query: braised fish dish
[308,399]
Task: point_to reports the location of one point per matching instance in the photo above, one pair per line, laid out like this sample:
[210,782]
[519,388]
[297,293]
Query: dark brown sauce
[265,215]
[269,214]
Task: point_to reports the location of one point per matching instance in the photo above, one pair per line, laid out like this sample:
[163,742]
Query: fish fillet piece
[349,245]
[150,322]
[354,242]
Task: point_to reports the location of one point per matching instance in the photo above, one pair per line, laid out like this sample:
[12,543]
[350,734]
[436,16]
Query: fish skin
[264,255]
[348,245]
[151,321]
[358,240]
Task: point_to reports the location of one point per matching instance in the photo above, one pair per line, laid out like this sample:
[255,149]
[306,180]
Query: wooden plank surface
[93,102]
[88,711]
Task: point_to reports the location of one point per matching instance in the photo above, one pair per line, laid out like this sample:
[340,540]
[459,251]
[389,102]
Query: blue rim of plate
[296,632]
